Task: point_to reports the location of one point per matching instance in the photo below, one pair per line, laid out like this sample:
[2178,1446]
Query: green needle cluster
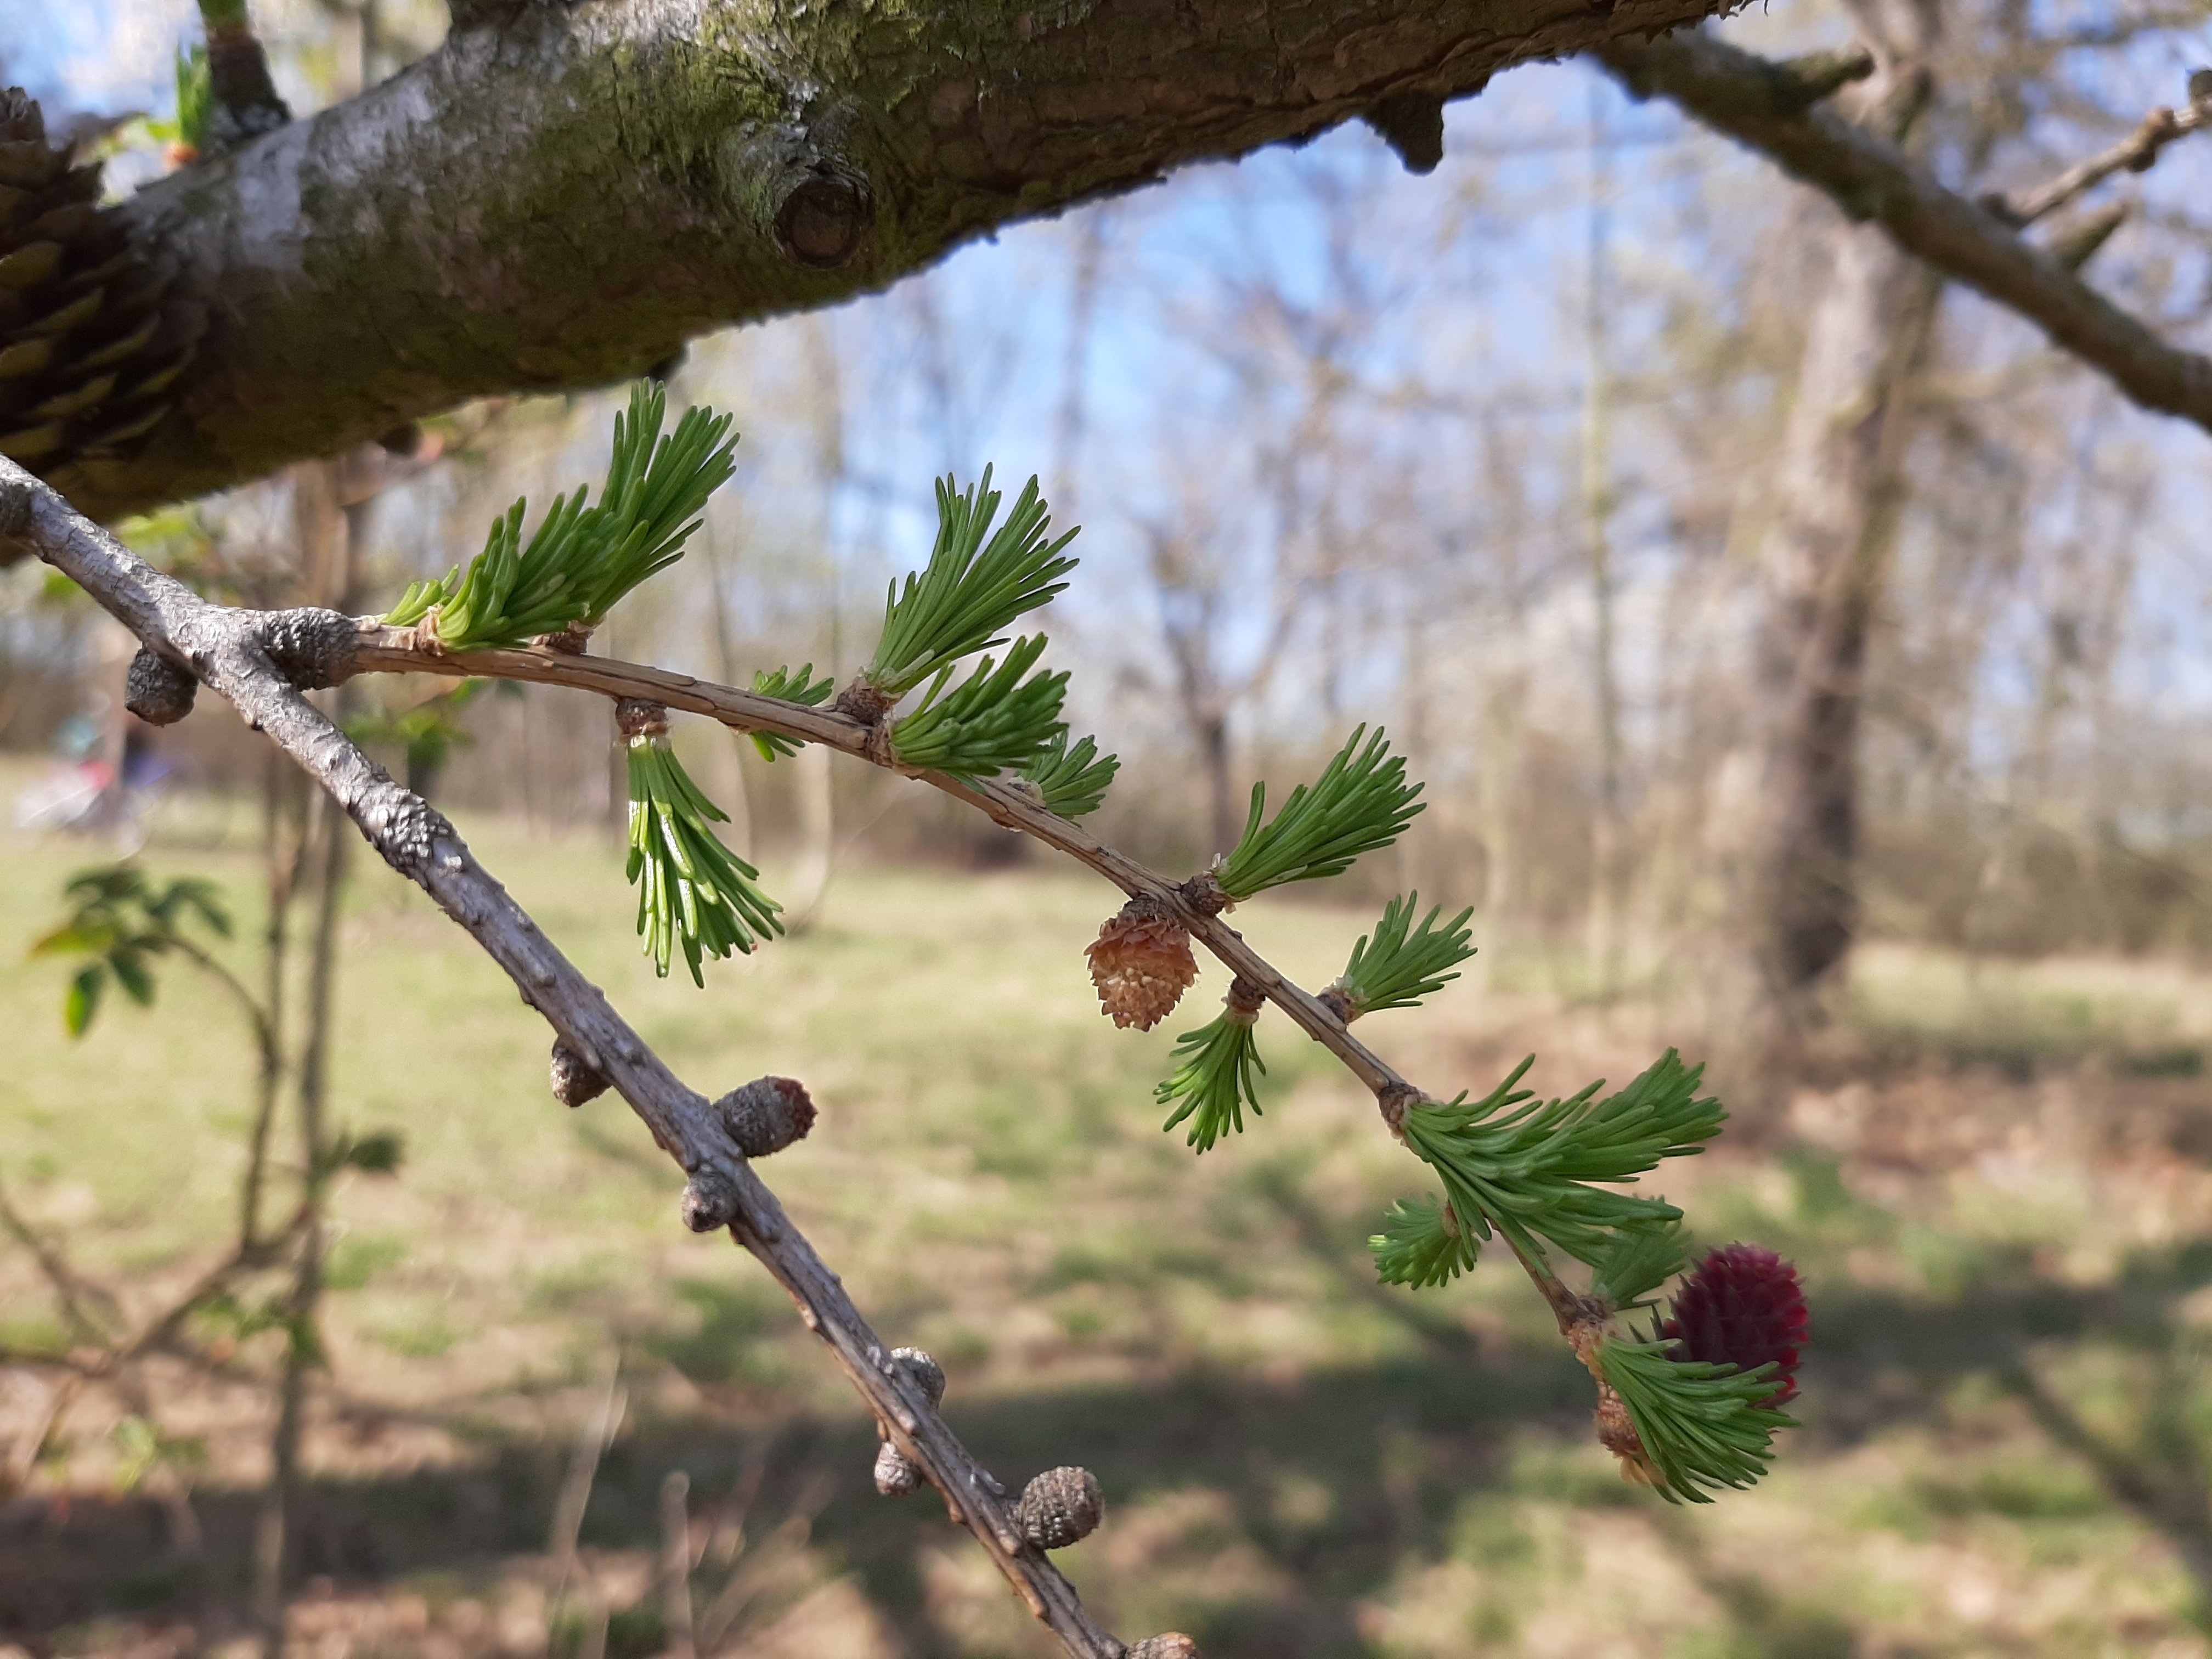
[1399,964]
[969,591]
[1637,1262]
[1072,781]
[1360,804]
[692,891]
[993,721]
[582,559]
[1703,1426]
[798,686]
[1421,1244]
[1216,1070]
[1536,1171]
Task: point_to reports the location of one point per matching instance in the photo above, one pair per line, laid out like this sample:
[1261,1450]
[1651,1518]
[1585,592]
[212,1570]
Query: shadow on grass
[1396,1449]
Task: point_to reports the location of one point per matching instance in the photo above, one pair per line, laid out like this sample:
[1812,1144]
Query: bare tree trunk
[1597,511]
[1824,564]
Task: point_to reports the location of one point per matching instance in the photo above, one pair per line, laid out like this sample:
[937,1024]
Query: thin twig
[224,648]
[676,1562]
[575,1494]
[2136,153]
[70,1293]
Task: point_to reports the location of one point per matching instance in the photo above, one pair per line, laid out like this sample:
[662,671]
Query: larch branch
[226,650]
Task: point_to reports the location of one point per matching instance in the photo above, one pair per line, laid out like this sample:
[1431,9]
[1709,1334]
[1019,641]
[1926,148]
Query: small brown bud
[576,1080]
[157,690]
[641,717]
[767,1115]
[575,640]
[1141,963]
[710,1201]
[1059,1507]
[1173,1646]
[895,1476]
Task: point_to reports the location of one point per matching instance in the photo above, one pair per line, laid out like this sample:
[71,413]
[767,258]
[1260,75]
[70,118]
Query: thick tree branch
[1734,92]
[237,653]
[560,196]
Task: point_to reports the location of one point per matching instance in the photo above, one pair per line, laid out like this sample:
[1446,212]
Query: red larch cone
[1742,1306]
[1141,963]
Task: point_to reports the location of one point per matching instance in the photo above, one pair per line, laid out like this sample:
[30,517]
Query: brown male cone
[1141,963]
[87,354]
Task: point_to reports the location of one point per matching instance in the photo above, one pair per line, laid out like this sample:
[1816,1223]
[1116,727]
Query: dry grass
[2006,1222]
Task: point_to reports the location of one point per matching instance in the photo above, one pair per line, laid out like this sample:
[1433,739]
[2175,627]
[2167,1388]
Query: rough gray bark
[559,195]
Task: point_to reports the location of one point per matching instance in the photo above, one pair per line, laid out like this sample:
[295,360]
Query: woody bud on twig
[895,1476]
[767,1115]
[576,1080]
[157,690]
[1059,1507]
[710,1201]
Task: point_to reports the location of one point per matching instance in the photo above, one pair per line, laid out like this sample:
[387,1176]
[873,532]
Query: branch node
[767,1115]
[1393,1101]
[157,690]
[1172,1646]
[310,646]
[1802,81]
[1204,893]
[576,1080]
[1244,1001]
[641,717]
[573,641]
[710,1201]
[1334,999]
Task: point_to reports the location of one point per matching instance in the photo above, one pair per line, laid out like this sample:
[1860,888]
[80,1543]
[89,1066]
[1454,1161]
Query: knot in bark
[1173,1646]
[824,218]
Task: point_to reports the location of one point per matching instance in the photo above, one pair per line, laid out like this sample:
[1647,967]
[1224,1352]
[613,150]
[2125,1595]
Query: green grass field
[2005,1223]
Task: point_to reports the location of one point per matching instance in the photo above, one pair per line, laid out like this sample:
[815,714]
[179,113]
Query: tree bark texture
[560,194]
[1825,563]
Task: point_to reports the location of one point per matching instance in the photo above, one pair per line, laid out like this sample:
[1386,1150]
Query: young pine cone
[1141,963]
[1742,1306]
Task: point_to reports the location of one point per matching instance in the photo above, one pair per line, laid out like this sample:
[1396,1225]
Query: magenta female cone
[1742,1306]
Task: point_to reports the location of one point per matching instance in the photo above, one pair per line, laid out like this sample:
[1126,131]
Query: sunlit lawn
[1297,1462]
